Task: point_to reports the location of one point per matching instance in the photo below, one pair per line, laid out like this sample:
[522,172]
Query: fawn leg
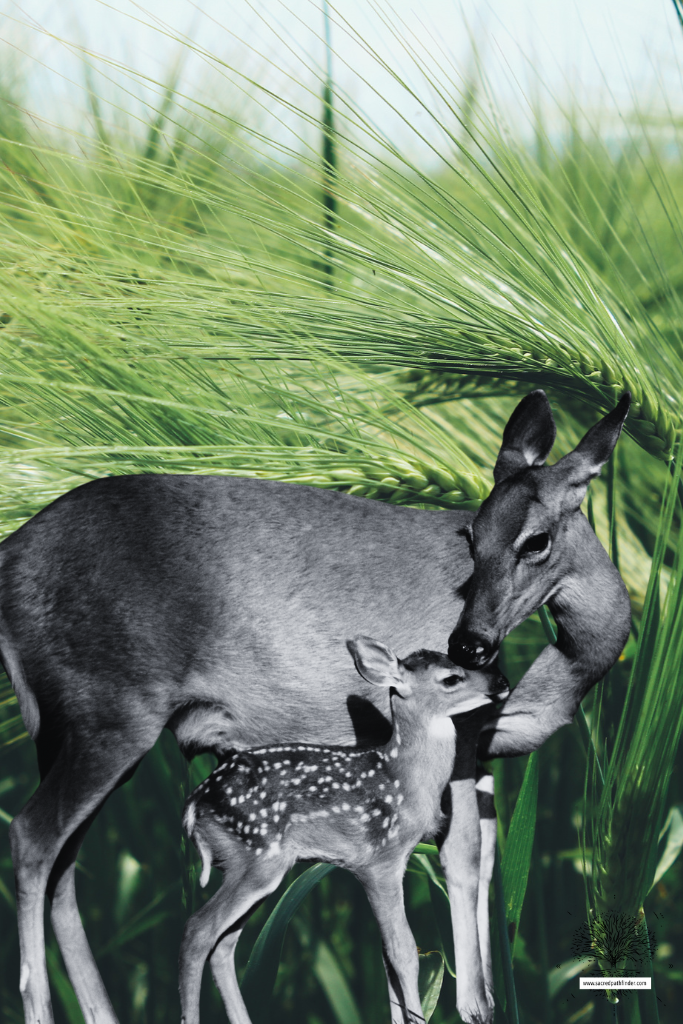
[214,930]
[222,963]
[384,887]
[75,785]
[460,857]
[487,822]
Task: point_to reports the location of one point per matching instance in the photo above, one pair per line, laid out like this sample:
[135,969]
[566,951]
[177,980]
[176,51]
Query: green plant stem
[647,1000]
[612,509]
[630,1011]
[512,1011]
[329,153]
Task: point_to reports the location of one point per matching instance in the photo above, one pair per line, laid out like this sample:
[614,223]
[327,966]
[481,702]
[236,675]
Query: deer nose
[469,650]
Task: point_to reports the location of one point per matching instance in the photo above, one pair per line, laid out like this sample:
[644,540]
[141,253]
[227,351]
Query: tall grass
[185,292]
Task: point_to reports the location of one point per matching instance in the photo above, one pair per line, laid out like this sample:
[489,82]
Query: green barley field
[189,285]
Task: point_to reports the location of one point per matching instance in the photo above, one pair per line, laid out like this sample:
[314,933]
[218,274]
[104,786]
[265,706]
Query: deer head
[532,545]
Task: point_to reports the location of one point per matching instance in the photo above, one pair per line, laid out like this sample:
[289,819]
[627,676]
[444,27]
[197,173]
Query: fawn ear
[528,437]
[592,452]
[375,662]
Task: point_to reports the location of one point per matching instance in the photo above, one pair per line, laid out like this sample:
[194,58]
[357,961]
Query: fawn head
[427,683]
[529,537]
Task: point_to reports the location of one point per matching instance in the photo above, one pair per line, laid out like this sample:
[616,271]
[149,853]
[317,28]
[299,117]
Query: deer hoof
[476,1012]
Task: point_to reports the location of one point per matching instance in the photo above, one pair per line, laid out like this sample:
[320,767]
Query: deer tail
[26,699]
[189,823]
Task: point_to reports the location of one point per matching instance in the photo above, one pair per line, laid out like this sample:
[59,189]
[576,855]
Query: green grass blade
[328,971]
[506,993]
[519,845]
[259,978]
[441,906]
[62,985]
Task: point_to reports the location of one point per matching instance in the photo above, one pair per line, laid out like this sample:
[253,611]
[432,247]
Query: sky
[605,52]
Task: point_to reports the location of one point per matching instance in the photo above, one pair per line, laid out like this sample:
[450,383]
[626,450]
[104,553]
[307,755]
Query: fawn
[262,810]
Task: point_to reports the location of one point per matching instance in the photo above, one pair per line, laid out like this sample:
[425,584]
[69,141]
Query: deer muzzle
[471,650]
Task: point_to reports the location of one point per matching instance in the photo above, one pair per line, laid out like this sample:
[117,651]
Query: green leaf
[673,830]
[520,839]
[259,978]
[431,980]
[328,971]
[559,976]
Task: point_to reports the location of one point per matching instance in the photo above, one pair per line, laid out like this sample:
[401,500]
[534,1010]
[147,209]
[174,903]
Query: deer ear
[593,451]
[528,437]
[375,662]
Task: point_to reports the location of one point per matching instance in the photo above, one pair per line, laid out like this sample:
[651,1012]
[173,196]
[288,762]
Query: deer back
[199,595]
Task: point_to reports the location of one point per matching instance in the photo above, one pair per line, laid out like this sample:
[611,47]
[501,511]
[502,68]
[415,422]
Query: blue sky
[605,51]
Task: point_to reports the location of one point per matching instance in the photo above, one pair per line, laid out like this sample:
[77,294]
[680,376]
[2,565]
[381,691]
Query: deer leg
[384,888]
[460,855]
[74,787]
[68,928]
[214,930]
[487,822]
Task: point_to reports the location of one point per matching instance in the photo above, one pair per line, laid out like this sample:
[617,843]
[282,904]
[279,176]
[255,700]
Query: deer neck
[591,607]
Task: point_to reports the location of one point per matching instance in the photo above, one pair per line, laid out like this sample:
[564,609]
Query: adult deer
[135,603]
[260,811]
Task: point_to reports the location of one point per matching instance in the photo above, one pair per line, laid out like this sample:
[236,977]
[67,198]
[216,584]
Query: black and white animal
[264,809]
[137,603]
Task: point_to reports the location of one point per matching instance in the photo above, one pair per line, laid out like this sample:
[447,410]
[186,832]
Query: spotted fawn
[262,810]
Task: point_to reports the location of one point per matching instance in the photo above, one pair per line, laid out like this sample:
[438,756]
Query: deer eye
[535,544]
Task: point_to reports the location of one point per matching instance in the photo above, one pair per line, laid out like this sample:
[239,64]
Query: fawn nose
[470,650]
[500,688]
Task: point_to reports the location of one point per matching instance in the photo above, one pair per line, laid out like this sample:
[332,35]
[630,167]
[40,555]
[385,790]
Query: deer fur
[136,603]
[262,810]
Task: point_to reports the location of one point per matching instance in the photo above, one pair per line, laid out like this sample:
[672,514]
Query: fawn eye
[450,681]
[535,544]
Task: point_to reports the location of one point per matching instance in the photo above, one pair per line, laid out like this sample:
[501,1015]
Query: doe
[264,809]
